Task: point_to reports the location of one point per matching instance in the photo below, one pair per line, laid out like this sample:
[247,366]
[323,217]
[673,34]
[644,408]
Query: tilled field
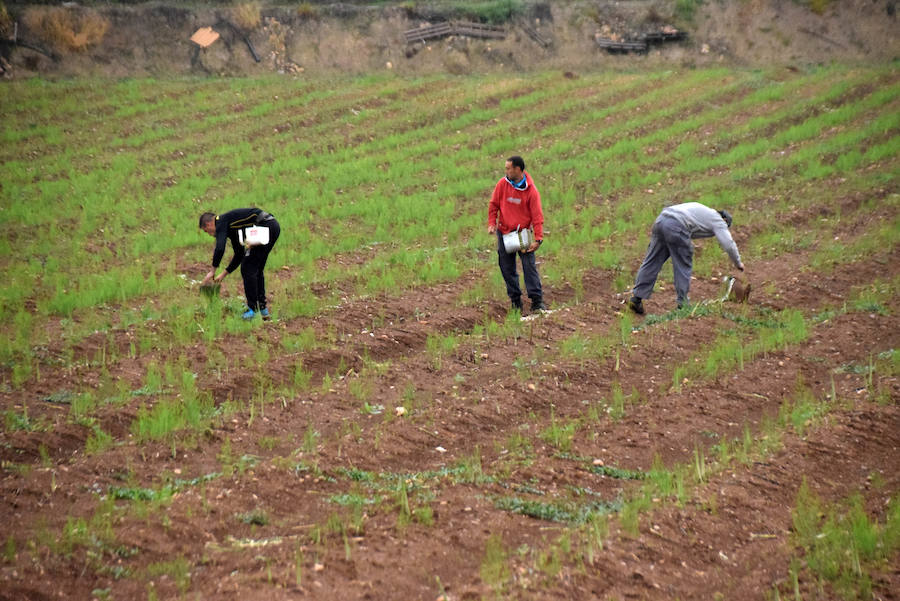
[412,440]
[276,527]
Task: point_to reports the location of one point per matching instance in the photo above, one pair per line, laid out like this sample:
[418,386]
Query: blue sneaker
[248,314]
[265,314]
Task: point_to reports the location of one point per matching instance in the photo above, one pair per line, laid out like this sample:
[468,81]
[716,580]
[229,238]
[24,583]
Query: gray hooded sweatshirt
[704,222]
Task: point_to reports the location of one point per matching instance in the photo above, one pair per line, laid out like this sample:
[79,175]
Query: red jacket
[517,208]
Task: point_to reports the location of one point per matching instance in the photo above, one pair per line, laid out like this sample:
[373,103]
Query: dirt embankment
[154,39]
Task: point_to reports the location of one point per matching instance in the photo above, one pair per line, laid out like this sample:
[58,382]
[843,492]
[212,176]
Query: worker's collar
[520,185]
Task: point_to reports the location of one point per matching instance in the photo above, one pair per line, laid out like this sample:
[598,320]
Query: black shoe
[635,304]
[538,306]
[516,305]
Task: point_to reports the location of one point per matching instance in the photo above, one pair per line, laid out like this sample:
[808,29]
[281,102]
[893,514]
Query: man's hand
[533,246]
[209,278]
[492,229]
[741,266]
[218,279]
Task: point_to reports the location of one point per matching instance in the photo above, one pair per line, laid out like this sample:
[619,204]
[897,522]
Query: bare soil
[732,538]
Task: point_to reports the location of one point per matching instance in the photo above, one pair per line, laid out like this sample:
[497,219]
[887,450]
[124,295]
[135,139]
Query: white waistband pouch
[254,236]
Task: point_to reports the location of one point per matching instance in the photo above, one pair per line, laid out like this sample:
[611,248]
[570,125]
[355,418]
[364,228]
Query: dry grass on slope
[67,29]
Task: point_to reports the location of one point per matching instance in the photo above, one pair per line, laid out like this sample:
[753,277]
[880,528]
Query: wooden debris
[614,46]
[205,36]
[472,30]
[641,44]
[420,34]
[534,35]
[477,30]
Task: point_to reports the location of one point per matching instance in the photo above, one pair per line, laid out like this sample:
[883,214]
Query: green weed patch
[842,544]
[616,472]
[566,512]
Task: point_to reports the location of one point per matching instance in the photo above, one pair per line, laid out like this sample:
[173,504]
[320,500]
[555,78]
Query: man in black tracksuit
[252,259]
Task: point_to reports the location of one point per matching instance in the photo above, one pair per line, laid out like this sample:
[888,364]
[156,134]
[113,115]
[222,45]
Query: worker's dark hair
[517,161]
[206,218]
[726,216]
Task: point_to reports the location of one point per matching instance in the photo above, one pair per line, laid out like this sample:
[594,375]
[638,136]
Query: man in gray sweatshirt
[671,236]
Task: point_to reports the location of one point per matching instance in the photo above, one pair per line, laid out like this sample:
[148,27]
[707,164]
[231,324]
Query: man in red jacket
[515,205]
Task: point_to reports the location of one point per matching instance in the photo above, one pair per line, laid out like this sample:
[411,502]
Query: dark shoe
[682,303]
[516,305]
[538,306]
[635,304]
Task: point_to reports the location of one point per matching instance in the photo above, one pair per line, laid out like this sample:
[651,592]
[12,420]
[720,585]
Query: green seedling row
[423,237]
[135,289]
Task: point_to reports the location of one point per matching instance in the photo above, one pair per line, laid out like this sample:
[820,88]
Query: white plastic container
[254,236]
[518,240]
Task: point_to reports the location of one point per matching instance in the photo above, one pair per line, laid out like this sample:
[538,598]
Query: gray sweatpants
[668,238]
